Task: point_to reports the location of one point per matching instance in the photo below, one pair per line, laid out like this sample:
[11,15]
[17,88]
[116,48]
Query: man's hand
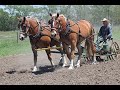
[106,36]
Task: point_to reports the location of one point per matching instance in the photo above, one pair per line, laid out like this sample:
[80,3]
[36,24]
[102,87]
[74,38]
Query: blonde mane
[61,15]
[34,18]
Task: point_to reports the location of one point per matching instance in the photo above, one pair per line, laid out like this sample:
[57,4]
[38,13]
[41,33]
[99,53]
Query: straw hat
[104,19]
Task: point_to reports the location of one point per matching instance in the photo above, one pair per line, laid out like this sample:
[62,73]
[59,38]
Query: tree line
[92,13]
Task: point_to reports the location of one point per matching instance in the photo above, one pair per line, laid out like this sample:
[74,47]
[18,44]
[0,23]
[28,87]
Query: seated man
[105,32]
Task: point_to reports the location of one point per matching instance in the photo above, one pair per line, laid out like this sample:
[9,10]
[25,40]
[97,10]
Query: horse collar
[68,29]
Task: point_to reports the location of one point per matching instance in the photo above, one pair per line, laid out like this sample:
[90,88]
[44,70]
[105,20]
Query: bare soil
[17,70]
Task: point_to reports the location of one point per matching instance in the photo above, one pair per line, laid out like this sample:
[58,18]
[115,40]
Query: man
[105,31]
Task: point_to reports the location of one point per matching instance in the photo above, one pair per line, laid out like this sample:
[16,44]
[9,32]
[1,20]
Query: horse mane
[61,15]
[42,22]
[34,18]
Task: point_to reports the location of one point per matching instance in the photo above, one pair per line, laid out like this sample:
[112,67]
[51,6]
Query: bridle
[68,29]
[25,28]
[54,28]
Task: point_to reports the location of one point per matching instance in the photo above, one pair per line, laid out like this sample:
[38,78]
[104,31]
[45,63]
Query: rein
[40,29]
[69,30]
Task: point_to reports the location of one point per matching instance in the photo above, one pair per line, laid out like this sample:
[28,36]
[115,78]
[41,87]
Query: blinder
[24,28]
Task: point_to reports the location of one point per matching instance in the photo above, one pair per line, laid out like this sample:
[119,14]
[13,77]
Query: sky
[1,6]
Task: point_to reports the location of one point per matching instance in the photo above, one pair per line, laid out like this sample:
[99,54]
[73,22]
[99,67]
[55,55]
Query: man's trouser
[101,39]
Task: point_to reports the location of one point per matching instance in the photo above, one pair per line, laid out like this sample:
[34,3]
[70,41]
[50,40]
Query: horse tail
[88,48]
[93,47]
[92,31]
[89,43]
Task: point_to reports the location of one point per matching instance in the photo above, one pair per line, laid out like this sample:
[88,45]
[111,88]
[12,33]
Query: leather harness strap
[39,33]
[68,29]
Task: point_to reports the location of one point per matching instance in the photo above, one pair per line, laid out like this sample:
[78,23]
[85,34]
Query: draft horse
[40,37]
[73,34]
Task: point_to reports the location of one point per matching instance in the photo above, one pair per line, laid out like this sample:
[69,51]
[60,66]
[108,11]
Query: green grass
[115,32]
[9,45]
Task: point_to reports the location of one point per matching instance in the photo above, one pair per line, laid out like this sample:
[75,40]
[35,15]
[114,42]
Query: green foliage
[93,13]
[4,24]
[9,45]
[9,14]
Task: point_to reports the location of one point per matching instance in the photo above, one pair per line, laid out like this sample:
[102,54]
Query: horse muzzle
[21,37]
[53,33]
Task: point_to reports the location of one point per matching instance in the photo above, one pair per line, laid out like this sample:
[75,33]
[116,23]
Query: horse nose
[53,33]
[21,37]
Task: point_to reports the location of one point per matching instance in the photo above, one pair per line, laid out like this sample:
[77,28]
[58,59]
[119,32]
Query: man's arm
[100,32]
[110,32]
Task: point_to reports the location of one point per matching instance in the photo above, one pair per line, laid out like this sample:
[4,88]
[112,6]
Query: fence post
[17,36]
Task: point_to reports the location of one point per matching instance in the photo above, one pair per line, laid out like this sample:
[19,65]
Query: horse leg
[49,57]
[62,58]
[94,52]
[65,49]
[79,56]
[88,48]
[73,45]
[35,59]
[94,58]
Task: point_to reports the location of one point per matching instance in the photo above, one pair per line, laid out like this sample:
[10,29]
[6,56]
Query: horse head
[57,22]
[27,26]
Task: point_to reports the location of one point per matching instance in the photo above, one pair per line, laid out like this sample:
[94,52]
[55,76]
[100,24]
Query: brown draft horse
[73,34]
[40,37]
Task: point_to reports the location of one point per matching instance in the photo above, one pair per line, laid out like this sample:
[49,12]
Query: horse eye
[49,22]
[20,21]
[24,26]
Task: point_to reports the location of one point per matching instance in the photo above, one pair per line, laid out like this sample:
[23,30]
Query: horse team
[59,31]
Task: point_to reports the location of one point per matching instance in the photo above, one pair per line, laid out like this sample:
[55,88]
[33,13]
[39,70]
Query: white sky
[1,6]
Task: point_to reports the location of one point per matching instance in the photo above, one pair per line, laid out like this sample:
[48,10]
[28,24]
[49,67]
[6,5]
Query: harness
[69,30]
[39,34]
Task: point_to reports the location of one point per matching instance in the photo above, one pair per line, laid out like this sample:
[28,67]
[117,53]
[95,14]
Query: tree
[93,13]
[4,21]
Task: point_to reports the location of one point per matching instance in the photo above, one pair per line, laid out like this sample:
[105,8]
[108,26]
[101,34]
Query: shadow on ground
[46,69]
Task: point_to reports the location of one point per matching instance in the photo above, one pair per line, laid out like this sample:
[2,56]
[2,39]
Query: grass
[9,45]
[115,32]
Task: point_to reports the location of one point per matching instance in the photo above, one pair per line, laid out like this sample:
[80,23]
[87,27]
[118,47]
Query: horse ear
[24,18]
[57,15]
[50,14]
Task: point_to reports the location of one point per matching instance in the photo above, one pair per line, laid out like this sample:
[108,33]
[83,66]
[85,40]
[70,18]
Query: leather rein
[69,30]
[40,29]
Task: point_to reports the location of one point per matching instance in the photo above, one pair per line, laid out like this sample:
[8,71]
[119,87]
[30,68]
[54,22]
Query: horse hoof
[94,63]
[64,65]
[34,70]
[77,65]
[71,67]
